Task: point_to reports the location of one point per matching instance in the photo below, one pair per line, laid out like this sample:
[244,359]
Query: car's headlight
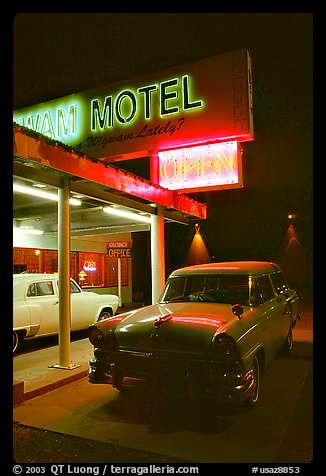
[95,335]
[225,347]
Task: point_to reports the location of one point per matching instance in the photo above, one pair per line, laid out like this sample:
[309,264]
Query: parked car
[36,310]
[214,330]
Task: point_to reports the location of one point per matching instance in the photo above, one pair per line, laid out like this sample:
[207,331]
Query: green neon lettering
[66,125]
[101,118]
[30,122]
[118,109]
[47,126]
[187,104]
[37,121]
[166,96]
[147,91]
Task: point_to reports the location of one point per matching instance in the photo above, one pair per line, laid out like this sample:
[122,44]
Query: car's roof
[29,277]
[230,267]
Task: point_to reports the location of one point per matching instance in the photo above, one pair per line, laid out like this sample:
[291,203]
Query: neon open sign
[207,167]
[89,265]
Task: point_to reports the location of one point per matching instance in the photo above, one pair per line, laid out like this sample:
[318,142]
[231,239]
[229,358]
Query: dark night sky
[60,53]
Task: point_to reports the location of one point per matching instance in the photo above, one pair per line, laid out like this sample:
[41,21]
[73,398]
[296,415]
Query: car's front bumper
[224,380]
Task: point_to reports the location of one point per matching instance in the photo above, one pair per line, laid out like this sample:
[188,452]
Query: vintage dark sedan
[214,330]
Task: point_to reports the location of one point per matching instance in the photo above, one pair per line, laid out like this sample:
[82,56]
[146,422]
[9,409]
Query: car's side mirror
[237,309]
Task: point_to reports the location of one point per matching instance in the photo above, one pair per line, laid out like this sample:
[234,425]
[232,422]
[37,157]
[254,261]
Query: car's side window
[42,288]
[31,291]
[73,288]
[265,287]
[279,282]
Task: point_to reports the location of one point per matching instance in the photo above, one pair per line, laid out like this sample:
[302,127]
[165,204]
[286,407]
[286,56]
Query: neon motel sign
[201,102]
[145,103]
[205,102]
[124,107]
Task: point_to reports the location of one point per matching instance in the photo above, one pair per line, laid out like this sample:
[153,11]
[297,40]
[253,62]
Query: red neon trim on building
[56,157]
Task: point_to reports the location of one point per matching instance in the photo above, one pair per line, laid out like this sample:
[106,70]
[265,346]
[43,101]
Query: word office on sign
[119,253]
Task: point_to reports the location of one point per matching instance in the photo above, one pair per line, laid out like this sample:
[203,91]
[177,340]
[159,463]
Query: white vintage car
[36,310]
[213,332]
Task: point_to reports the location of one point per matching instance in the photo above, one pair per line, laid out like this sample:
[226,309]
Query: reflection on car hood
[176,327]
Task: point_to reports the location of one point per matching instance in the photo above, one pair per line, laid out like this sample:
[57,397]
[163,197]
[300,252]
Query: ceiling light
[78,195]
[29,231]
[41,194]
[125,214]
[39,185]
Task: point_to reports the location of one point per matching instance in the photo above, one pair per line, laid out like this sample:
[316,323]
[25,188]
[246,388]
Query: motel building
[76,211]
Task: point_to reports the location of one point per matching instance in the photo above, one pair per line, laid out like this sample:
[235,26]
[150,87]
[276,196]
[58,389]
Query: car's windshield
[226,289]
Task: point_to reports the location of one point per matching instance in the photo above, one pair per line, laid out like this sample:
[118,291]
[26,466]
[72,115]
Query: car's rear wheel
[288,343]
[105,314]
[15,340]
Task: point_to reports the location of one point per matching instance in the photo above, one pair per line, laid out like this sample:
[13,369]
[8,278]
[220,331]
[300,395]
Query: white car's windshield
[226,289]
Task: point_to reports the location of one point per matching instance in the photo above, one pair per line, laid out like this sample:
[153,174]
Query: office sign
[200,102]
[119,249]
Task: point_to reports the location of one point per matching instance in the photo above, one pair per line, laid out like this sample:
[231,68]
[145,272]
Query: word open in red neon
[212,166]
[89,265]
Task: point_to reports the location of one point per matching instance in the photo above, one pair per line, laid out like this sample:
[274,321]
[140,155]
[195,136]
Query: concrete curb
[20,396]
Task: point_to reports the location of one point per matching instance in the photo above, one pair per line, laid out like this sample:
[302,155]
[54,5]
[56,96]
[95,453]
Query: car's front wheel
[255,369]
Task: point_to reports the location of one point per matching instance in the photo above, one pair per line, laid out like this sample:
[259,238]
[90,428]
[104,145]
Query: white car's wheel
[15,340]
[105,314]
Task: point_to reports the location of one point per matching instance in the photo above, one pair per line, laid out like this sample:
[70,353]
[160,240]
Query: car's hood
[170,327]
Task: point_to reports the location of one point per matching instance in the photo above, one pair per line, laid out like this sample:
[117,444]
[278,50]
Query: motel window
[112,271]
[28,260]
[87,268]
[90,269]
